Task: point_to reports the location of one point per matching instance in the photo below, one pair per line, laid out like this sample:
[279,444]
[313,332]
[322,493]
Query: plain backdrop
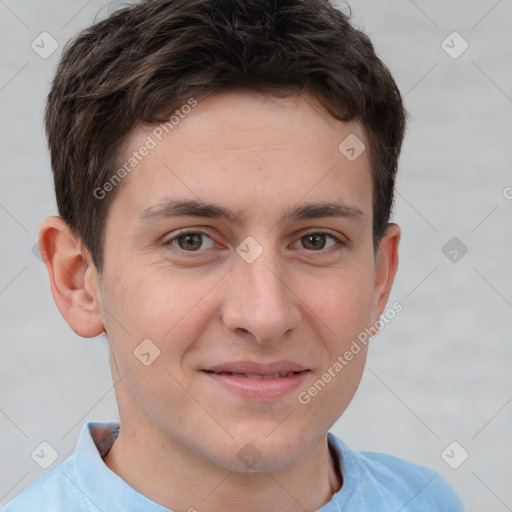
[438,374]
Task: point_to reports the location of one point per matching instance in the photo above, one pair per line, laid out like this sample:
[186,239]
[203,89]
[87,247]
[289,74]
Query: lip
[259,389]
[253,368]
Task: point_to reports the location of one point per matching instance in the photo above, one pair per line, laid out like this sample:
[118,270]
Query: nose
[259,302]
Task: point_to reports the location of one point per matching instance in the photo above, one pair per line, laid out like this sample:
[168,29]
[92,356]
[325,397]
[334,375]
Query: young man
[224,172]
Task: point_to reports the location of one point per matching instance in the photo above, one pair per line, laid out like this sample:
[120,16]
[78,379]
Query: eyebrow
[193,208]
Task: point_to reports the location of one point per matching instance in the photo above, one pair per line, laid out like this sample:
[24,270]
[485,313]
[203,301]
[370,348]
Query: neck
[180,479]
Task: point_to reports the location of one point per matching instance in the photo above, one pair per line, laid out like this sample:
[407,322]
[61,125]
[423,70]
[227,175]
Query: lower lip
[259,389]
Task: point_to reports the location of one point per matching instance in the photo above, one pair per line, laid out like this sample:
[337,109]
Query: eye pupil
[314,241]
[190,241]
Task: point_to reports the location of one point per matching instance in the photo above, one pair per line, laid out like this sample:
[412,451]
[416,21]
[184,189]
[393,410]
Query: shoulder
[377,479]
[418,483]
[52,492]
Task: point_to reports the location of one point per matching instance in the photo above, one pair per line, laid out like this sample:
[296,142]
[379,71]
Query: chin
[260,463]
[266,449]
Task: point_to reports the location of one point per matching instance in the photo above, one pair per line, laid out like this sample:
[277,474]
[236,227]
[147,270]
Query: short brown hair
[147,60]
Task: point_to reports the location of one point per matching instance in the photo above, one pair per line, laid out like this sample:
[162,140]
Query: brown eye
[191,241]
[318,241]
[313,241]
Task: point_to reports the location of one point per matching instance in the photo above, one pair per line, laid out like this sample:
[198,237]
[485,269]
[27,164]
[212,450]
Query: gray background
[439,372]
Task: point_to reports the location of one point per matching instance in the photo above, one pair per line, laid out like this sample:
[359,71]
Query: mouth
[280,375]
[261,385]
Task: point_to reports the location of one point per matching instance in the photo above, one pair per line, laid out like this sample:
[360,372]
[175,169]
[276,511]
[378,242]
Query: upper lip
[253,368]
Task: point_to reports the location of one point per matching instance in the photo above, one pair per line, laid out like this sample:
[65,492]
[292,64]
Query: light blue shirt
[372,482]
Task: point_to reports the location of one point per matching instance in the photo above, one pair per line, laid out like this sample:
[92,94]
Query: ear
[73,280]
[385,269]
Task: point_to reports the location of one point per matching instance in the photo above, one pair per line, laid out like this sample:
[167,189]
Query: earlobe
[73,280]
[385,269]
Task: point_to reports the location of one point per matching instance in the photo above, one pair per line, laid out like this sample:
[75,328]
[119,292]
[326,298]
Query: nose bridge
[260,301]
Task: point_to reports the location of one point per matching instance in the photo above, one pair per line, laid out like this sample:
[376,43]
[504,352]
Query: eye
[319,240]
[191,241]
[194,241]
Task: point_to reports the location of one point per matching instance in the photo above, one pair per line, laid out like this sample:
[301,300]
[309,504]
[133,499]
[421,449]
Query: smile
[258,387]
[258,376]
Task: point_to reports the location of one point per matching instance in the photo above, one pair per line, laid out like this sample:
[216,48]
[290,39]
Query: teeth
[274,376]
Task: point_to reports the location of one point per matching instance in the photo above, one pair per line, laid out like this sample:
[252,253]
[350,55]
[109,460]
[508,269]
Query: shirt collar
[97,482]
[108,491]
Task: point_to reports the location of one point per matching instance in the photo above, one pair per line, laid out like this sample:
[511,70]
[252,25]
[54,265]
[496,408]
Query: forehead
[247,151]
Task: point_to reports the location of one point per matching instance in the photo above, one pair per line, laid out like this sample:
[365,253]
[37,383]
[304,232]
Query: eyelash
[339,244]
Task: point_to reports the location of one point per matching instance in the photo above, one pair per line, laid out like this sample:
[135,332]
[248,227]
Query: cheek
[166,307]
[170,312]
[342,301]
[342,308]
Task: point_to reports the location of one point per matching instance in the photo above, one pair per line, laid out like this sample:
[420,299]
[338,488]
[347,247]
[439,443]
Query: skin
[180,434]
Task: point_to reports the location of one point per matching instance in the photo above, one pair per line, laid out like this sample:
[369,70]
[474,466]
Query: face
[245,235]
